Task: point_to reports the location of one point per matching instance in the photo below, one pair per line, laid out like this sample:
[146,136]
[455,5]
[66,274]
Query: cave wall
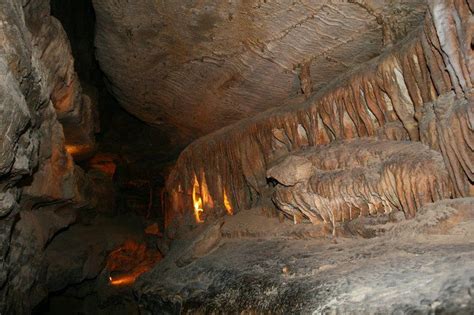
[44,118]
[419,90]
[78,20]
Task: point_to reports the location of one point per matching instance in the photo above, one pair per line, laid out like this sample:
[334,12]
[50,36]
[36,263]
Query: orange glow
[130,261]
[104,162]
[153,229]
[197,201]
[76,150]
[227,204]
[124,280]
[206,197]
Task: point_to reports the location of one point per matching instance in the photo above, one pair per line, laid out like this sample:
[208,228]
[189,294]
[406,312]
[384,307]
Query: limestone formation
[419,90]
[43,112]
[424,265]
[203,65]
[356,116]
[360,178]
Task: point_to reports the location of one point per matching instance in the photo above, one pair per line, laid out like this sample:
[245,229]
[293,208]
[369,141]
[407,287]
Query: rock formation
[355,117]
[362,177]
[44,117]
[423,265]
[200,66]
[419,90]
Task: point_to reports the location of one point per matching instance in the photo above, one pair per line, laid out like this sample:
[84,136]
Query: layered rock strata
[419,90]
[202,65]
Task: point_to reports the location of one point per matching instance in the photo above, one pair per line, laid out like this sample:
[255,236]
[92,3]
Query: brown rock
[204,243]
[389,97]
[40,97]
[292,170]
[365,177]
[203,65]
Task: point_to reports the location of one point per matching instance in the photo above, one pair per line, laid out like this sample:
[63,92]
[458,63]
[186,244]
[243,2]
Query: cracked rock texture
[202,65]
[420,90]
[42,113]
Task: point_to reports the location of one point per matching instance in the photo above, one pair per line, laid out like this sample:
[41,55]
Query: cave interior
[236,157]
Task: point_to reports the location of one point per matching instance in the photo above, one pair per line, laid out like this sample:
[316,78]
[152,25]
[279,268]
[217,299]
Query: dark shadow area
[127,174]
[78,20]
[140,153]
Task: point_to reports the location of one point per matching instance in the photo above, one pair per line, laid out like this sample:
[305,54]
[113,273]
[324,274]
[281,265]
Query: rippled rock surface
[202,65]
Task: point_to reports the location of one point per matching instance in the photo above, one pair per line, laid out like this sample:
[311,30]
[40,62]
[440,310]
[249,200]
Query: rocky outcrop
[419,90]
[200,66]
[342,181]
[73,108]
[424,265]
[43,115]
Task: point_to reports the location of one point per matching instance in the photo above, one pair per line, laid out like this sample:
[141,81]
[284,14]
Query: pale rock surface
[362,177]
[202,65]
[292,170]
[202,244]
[424,266]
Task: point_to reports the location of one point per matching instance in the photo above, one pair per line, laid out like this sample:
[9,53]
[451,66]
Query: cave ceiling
[197,66]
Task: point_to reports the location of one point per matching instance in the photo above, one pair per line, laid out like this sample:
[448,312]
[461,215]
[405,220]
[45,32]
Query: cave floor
[77,273]
[425,265]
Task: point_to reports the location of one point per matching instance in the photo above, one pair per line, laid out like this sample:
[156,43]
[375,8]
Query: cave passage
[248,157]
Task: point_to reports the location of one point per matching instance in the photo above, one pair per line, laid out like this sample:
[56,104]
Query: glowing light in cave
[77,149]
[124,280]
[73,149]
[103,162]
[197,201]
[126,263]
[206,196]
[227,204]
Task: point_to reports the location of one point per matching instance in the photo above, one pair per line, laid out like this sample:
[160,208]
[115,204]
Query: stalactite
[360,177]
[386,98]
